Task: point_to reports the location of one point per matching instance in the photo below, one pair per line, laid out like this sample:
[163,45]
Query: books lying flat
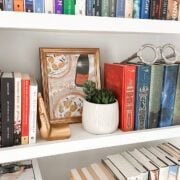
[25,170]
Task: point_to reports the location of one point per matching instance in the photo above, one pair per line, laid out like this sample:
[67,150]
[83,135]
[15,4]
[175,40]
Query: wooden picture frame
[64,70]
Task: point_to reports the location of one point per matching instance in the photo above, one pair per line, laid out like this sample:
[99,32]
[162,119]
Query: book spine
[1,5]
[7,107]
[25,88]
[179,15]
[0,115]
[19,5]
[120,8]
[112,8]
[49,6]
[33,114]
[39,6]
[128,8]
[105,8]
[58,7]
[136,9]
[164,9]
[80,7]
[173,172]
[159,9]
[89,7]
[157,72]
[29,6]
[145,9]
[8,5]
[143,76]
[153,9]
[17,108]
[98,5]
[173,10]
[168,95]
[69,7]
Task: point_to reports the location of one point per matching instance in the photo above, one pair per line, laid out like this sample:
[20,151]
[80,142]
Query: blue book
[39,6]
[145,9]
[8,5]
[90,10]
[29,7]
[136,9]
[120,8]
[143,77]
[168,95]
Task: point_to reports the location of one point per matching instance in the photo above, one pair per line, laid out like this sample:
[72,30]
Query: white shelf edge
[54,22]
[81,141]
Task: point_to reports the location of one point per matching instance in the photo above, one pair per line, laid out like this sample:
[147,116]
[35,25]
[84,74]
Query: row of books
[141,9]
[148,96]
[150,163]
[18,110]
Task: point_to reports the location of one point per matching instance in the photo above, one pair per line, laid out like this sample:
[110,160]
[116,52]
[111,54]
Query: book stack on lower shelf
[18,99]
[158,163]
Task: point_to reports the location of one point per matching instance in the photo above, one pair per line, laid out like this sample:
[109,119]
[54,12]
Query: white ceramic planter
[100,118]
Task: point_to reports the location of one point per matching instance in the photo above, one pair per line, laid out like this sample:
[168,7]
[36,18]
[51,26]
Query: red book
[25,89]
[121,79]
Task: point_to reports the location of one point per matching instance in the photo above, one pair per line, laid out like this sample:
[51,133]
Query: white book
[75,174]
[141,158]
[86,173]
[124,166]
[128,8]
[49,6]
[137,165]
[113,169]
[33,111]
[163,168]
[17,108]
[80,7]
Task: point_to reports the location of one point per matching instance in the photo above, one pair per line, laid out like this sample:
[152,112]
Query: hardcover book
[80,7]
[58,7]
[157,73]
[39,6]
[176,113]
[7,108]
[8,5]
[90,8]
[17,108]
[19,5]
[153,9]
[105,8]
[98,7]
[145,9]
[143,76]
[136,9]
[163,10]
[69,7]
[168,95]
[120,8]
[1,5]
[29,6]
[49,6]
[123,85]
[25,89]
[112,8]
[128,8]
[173,10]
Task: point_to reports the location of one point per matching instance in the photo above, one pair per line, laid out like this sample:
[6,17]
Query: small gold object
[50,131]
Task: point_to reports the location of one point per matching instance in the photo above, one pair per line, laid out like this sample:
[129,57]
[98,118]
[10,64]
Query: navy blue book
[29,6]
[145,9]
[168,95]
[38,6]
[143,77]
[120,8]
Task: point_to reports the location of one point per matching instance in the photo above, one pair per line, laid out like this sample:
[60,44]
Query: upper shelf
[82,140]
[35,21]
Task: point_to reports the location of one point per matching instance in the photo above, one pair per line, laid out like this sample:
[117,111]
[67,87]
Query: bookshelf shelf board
[54,22]
[82,140]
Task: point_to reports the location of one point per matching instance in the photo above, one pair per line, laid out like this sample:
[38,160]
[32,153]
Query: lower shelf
[82,140]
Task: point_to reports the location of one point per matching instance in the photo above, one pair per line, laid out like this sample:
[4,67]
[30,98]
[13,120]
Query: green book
[176,114]
[157,72]
[105,8]
[69,7]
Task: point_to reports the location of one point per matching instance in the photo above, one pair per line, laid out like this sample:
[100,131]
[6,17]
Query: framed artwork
[64,71]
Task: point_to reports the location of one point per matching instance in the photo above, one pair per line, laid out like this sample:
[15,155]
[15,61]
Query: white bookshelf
[82,140]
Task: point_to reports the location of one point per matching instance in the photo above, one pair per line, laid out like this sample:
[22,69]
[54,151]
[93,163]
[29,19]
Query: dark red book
[121,80]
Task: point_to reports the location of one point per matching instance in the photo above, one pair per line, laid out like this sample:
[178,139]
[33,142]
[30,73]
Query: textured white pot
[100,118]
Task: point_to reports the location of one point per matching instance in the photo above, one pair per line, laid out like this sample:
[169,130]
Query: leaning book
[24,170]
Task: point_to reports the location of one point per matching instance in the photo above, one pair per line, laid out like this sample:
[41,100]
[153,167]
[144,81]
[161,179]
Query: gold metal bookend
[50,131]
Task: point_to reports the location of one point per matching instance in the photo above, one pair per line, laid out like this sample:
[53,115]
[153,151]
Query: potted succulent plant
[100,110]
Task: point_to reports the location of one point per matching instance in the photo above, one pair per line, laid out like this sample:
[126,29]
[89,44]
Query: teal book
[168,95]
[105,8]
[136,9]
[69,7]
[176,114]
[157,72]
[143,77]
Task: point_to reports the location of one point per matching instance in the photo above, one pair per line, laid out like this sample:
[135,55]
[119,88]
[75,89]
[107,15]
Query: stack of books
[148,96]
[144,9]
[150,163]
[18,109]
